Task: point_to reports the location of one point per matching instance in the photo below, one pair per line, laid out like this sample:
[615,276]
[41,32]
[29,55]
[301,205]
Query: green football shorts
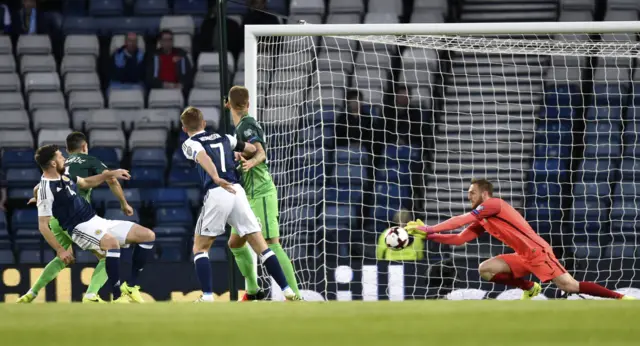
[266,210]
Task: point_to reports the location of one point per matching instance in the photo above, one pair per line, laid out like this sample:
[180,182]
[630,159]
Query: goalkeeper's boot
[260,295]
[133,292]
[628,297]
[93,299]
[532,292]
[26,298]
[122,300]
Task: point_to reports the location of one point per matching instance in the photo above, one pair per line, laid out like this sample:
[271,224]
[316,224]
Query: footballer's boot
[628,297]
[26,298]
[254,297]
[203,300]
[532,292]
[95,299]
[291,296]
[122,300]
[133,292]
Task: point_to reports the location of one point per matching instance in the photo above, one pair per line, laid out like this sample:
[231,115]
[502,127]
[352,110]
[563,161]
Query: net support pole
[225,123]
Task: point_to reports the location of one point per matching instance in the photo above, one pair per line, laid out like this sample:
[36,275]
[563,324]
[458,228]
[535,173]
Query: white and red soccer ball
[397,238]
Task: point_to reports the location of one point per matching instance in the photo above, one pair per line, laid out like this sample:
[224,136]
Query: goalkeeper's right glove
[417,229]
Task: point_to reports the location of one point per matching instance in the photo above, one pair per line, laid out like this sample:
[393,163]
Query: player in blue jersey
[225,201]
[58,197]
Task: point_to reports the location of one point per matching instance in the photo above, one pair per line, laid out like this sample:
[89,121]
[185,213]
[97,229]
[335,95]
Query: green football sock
[50,272]
[287,267]
[245,264]
[98,278]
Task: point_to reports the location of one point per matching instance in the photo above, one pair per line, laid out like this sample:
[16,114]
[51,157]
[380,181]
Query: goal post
[371,125]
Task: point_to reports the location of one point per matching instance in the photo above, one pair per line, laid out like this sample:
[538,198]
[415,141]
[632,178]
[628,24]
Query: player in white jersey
[225,201]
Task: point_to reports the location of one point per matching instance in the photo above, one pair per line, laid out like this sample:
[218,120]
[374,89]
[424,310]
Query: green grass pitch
[438,323]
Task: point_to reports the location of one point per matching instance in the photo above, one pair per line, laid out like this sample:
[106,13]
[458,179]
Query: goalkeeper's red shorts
[544,266]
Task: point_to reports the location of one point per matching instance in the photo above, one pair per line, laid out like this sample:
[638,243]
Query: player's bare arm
[259,157]
[205,161]
[454,239]
[34,199]
[116,190]
[96,180]
[43,227]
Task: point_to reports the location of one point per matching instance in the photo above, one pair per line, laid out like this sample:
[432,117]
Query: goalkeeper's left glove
[418,229]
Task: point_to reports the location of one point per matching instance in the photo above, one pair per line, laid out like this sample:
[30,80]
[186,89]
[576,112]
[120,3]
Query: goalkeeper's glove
[418,229]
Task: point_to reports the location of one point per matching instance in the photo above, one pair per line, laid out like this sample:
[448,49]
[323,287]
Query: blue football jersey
[59,198]
[220,149]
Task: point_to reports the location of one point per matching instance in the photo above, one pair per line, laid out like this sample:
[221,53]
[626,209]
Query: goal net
[366,131]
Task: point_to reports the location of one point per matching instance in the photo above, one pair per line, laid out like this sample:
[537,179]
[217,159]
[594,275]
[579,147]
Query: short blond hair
[191,118]
[238,98]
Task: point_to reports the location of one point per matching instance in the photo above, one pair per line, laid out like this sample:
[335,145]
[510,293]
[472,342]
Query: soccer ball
[397,238]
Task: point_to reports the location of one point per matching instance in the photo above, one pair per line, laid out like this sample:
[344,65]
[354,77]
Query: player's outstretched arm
[116,190]
[454,239]
[451,224]
[43,227]
[95,180]
[207,164]
[259,157]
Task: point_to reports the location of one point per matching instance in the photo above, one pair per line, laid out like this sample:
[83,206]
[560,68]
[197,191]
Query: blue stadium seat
[326,115]
[589,215]
[3,220]
[81,25]
[604,113]
[184,177]
[30,257]
[554,170]
[4,233]
[588,250]
[627,190]
[312,172]
[633,113]
[217,254]
[236,7]
[6,257]
[149,157]
[24,218]
[144,177]
[167,197]
[354,154]
[625,209]
[632,132]
[597,170]
[394,173]
[603,147]
[554,132]
[339,216]
[164,232]
[27,233]
[194,195]
[553,151]
[620,250]
[278,6]
[179,217]
[351,175]
[108,156]
[385,213]
[170,250]
[151,7]
[106,7]
[193,7]
[140,25]
[391,194]
[74,7]
[23,177]
[630,169]
[17,158]
[117,214]
[591,190]
[24,193]
[303,194]
[402,153]
[85,257]
[179,160]
[343,194]
[565,95]
[303,217]
[612,94]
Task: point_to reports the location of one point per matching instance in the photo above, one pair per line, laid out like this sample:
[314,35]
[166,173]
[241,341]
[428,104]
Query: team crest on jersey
[189,151]
[478,209]
[65,178]
[98,232]
[248,132]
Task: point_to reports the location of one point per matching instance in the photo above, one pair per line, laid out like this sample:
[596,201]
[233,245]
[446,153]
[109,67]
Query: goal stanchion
[370,126]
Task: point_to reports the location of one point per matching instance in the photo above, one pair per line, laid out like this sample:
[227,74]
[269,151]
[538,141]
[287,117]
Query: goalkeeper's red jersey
[503,222]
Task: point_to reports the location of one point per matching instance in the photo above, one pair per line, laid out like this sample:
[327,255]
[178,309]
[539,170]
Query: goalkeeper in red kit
[533,255]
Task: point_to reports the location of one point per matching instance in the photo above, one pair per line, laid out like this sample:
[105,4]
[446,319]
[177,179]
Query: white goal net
[369,131]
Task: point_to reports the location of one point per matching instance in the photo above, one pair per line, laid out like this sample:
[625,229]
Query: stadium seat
[107,138]
[117,214]
[17,158]
[306,7]
[85,257]
[394,173]
[149,157]
[183,177]
[126,99]
[343,194]
[30,256]
[53,136]
[148,138]
[106,7]
[207,80]
[41,81]
[81,81]
[33,44]
[6,47]
[182,41]
[14,120]
[166,98]
[625,209]
[304,216]
[179,160]
[217,254]
[151,7]
[168,232]
[152,119]
[23,177]
[545,189]
[554,151]
[170,250]
[353,175]
[107,119]
[203,98]
[178,24]
[554,131]
[77,64]
[141,25]
[16,138]
[167,197]
[85,100]
[210,62]
[108,156]
[27,233]
[193,7]
[597,170]
[585,250]
[10,82]
[82,45]
[401,153]
[6,257]
[50,119]
[104,198]
[355,155]
[590,210]
[144,177]
[550,169]
[46,100]
[180,217]
[11,101]
[80,25]
[37,63]
[346,6]
[24,219]
[7,64]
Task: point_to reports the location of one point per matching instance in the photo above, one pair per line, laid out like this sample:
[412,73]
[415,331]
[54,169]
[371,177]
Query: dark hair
[164,31]
[45,154]
[353,94]
[483,185]
[75,141]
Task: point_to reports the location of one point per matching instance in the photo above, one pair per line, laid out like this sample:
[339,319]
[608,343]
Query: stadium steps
[508,10]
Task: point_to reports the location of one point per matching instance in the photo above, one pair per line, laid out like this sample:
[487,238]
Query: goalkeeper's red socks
[508,280]
[593,289]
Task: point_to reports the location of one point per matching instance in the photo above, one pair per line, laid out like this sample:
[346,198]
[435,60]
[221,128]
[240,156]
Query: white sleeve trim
[233,141]
[191,148]
[45,199]
[7,16]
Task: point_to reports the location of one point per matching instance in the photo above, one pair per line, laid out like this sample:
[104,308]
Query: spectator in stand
[401,123]
[258,14]
[209,40]
[169,67]
[29,20]
[5,14]
[353,126]
[128,65]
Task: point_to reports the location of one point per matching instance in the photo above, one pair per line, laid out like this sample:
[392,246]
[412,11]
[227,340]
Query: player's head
[238,100]
[479,191]
[77,143]
[49,157]
[192,120]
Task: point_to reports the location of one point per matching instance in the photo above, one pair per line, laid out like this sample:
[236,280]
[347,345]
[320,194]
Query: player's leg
[508,270]
[98,279]
[245,222]
[53,268]
[201,246]
[266,210]
[111,246]
[569,284]
[142,239]
[244,260]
